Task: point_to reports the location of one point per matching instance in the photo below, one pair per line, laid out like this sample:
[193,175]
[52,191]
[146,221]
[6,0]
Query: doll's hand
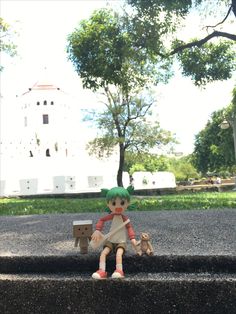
[134,242]
[96,236]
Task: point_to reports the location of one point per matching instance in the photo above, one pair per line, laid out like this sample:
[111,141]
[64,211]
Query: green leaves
[214,147]
[94,49]
[209,63]
[151,7]
[106,49]
[6,43]
[156,23]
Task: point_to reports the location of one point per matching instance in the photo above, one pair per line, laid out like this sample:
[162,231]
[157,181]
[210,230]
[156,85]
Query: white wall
[155,180]
[45,176]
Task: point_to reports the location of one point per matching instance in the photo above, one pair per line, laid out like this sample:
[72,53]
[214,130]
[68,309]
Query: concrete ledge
[206,188]
[148,293]
[132,264]
[193,270]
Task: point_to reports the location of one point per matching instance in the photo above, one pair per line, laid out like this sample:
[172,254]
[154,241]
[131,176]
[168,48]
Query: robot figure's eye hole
[122,203]
[113,203]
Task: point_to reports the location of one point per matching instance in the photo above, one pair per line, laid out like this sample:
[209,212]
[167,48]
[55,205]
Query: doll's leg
[101,272]
[118,273]
[103,256]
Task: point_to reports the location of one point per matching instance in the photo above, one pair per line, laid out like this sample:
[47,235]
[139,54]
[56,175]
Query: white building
[43,146]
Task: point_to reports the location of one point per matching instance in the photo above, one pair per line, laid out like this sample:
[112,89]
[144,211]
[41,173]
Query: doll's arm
[97,235]
[100,223]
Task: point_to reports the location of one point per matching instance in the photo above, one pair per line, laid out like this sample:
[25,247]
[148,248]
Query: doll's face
[118,205]
[145,236]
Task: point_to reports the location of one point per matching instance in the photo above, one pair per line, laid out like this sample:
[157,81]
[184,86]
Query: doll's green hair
[118,192]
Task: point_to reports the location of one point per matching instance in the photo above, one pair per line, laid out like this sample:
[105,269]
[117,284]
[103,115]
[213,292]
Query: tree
[124,124]
[104,55]
[6,44]
[146,162]
[202,60]
[214,147]
[183,168]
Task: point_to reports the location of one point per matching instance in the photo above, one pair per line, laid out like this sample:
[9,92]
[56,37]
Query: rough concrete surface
[162,294]
[209,232]
[193,270]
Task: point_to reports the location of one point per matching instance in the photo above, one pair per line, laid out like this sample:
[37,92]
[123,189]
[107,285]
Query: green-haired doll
[118,199]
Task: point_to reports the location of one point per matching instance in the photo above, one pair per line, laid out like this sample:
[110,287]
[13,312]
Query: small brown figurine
[144,245]
[82,231]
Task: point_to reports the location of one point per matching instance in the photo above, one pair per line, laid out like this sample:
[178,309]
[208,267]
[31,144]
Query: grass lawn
[200,200]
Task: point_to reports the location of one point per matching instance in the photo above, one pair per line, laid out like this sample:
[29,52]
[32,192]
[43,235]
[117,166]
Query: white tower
[47,121]
[45,152]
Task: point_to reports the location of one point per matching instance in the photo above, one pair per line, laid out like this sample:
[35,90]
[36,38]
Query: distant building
[46,122]
[43,146]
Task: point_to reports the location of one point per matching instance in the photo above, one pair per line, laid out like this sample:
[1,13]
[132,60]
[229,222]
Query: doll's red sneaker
[118,274]
[99,274]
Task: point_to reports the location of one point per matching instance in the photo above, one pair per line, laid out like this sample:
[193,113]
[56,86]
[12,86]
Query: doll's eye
[122,203]
[113,203]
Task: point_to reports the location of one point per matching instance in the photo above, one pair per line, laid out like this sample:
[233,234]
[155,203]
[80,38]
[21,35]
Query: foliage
[230,111]
[183,168]
[39,206]
[145,162]
[214,147]
[202,61]
[6,44]
[124,54]
[104,54]
[125,125]
[208,63]
[137,167]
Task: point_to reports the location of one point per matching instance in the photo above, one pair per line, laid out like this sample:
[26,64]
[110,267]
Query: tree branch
[230,8]
[201,42]
[234,7]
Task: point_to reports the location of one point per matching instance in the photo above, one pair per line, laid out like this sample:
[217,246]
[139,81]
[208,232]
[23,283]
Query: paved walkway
[193,270]
[210,232]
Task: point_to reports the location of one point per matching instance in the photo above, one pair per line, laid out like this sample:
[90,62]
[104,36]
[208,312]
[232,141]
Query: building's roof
[42,86]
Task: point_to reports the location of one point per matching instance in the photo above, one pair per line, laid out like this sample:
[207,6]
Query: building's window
[52,103]
[45,102]
[25,121]
[38,103]
[48,152]
[45,119]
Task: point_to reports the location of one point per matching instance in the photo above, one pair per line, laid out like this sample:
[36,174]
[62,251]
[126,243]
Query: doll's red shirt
[130,230]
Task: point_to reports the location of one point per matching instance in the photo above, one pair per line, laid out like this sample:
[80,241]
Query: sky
[43,27]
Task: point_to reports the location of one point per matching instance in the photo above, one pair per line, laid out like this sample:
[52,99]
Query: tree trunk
[121,166]
[234,7]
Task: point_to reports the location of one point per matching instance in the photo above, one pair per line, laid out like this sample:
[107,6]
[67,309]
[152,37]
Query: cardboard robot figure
[82,231]
[118,199]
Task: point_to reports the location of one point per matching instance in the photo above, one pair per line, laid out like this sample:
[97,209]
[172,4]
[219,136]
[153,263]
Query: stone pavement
[193,270]
[209,232]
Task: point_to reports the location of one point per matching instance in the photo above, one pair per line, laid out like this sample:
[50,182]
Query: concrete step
[137,293]
[193,270]
[131,263]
